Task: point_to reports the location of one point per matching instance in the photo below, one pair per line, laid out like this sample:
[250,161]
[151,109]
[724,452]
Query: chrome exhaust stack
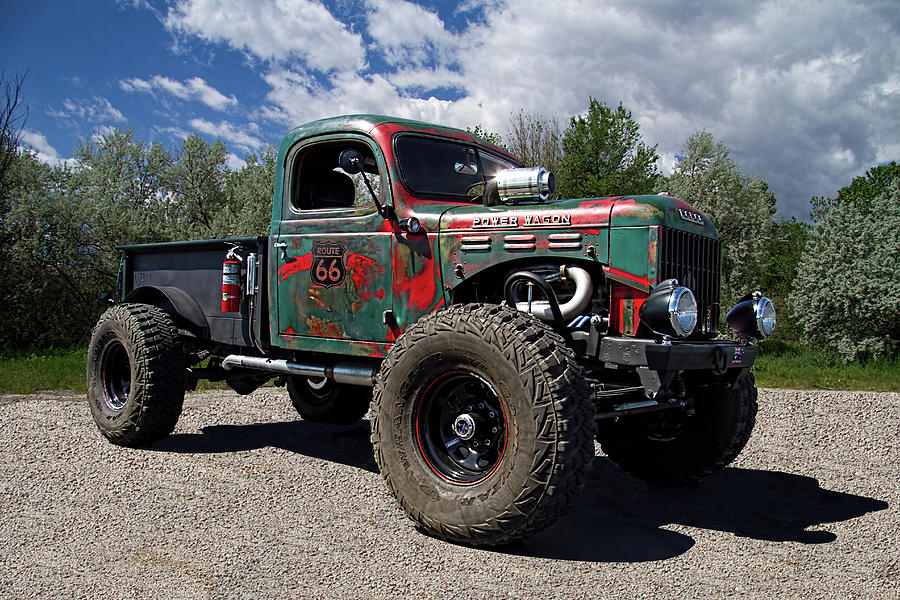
[350,373]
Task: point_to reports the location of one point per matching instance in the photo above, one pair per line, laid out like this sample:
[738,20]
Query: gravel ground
[246,501]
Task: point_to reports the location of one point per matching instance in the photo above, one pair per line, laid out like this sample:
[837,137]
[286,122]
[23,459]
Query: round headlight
[682,311]
[670,310]
[753,316]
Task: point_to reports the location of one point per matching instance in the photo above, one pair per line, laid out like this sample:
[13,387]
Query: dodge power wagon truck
[493,330]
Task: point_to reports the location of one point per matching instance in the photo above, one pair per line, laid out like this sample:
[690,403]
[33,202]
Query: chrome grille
[694,261]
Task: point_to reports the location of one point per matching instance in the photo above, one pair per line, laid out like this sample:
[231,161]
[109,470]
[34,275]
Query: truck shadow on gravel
[345,444]
[619,518]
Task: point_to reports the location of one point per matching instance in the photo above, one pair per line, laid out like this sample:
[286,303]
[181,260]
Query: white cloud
[667,163]
[45,152]
[195,88]
[102,132]
[235,162]
[227,132]
[136,85]
[426,79]
[97,109]
[804,93]
[408,33]
[272,30]
[173,132]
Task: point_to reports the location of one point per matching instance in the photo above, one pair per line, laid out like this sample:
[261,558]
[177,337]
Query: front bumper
[718,357]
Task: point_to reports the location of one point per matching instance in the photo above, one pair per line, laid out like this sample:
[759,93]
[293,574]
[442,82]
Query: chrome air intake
[510,186]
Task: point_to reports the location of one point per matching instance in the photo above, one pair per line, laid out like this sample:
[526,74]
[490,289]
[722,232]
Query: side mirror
[351,161]
[466,168]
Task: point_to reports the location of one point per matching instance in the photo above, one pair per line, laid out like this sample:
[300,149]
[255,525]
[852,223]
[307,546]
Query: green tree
[847,290]
[741,207]
[248,197]
[123,184]
[59,225]
[196,177]
[118,192]
[603,155]
[13,114]
[777,278]
[50,282]
[44,249]
[488,136]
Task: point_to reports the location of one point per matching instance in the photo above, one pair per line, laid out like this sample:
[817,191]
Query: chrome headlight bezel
[765,317]
[683,311]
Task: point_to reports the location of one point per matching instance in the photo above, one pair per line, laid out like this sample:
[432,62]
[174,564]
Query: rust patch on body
[321,328]
[295,265]
[363,270]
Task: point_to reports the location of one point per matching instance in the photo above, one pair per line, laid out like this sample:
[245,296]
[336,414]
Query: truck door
[333,251]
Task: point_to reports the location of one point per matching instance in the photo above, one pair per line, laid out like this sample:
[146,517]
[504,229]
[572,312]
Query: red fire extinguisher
[231,282]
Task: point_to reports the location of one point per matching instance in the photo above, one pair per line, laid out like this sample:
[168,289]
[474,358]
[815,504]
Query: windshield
[431,166]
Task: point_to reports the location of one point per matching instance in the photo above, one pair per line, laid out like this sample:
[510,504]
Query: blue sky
[805,93]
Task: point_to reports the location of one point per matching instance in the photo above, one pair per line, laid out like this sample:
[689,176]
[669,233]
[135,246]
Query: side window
[318,182]
[443,167]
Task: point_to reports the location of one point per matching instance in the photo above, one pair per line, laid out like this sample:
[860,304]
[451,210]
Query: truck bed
[193,270]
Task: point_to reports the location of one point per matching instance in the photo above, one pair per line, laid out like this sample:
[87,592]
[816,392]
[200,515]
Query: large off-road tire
[245,384]
[324,401]
[135,374]
[674,447]
[483,426]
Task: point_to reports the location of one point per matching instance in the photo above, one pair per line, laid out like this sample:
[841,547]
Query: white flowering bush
[741,207]
[847,290]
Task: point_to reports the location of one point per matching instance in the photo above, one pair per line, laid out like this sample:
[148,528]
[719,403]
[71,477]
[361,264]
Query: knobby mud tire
[521,367]
[135,374]
[324,401]
[703,444]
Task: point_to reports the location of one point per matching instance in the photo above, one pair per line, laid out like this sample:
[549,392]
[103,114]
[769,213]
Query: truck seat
[326,189]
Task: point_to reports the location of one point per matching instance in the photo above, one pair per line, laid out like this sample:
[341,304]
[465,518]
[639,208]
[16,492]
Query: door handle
[283,247]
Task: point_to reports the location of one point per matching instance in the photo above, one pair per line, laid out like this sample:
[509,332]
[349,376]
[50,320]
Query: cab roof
[365,123]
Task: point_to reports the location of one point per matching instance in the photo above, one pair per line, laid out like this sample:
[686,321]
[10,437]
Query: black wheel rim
[320,391]
[460,428]
[666,426]
[116,372]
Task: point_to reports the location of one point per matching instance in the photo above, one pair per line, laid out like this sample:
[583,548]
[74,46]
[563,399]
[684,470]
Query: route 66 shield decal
[328,264]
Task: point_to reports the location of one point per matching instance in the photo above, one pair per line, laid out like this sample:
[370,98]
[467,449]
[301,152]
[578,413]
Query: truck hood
[582,214]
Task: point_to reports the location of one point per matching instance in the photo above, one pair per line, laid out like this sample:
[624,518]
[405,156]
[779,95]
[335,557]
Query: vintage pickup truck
[491,330]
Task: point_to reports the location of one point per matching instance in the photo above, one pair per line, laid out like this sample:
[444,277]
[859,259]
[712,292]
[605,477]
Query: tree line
[59,224]
[835,282]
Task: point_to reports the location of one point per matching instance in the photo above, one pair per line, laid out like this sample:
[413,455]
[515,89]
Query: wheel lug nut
[474,443]
[487,442]
[493,430]
[491,415]
[481,405]
[469,408]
